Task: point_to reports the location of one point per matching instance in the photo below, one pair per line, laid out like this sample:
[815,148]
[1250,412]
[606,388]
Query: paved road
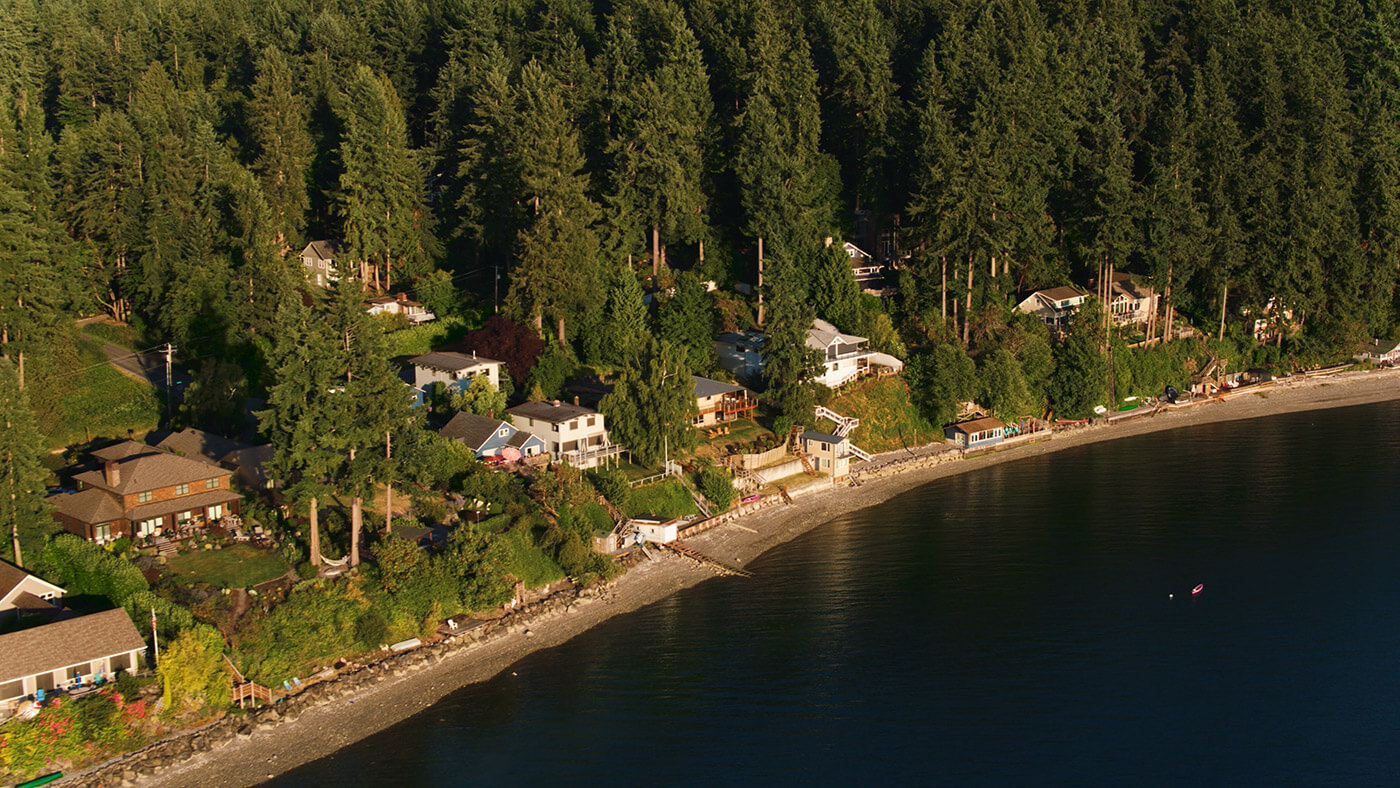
[145,367]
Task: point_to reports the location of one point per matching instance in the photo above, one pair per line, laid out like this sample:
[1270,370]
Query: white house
[650,528]
[1130,303]
[400,304]
[318,260]
[571,433]
[1380,351]
[454,370]
[65,654]
[1055,307]
[21,592]
[843,356]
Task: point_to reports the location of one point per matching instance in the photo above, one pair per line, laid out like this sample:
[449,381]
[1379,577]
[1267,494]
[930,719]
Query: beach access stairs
[844,424]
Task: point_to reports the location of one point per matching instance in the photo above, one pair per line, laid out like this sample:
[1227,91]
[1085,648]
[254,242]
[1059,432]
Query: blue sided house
[490,437]
[977,433]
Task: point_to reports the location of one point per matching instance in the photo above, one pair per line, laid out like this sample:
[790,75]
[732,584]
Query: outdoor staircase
[795,446]
[166,547]
[844,424]
[859,452]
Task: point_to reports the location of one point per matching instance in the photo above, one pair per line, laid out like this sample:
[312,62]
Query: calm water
[1011,626]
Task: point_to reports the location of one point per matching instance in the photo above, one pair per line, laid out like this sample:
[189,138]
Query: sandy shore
[321,730]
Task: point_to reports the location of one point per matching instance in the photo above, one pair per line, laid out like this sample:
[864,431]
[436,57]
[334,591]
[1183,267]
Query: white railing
[844,424]
[859,452]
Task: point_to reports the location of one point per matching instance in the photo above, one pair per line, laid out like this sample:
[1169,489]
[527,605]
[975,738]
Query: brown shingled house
[139,490]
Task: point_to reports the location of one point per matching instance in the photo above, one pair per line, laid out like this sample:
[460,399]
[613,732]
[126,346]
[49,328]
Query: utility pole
[155,641]
[496,293]
[169,387]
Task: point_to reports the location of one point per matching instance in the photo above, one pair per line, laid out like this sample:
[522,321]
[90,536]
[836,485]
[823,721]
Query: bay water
[1031,623]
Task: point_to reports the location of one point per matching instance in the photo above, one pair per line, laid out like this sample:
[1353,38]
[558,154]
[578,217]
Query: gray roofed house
[570,433]
[490,437]
[59,655]
[1380,351]
[454,370]
[318,259]
[717,402]
[1056,306]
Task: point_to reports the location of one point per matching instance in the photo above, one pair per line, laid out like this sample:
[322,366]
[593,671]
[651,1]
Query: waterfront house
[717,402]
[1130,303]
[1380,351]
[400,304]
[868,272]
[490,437]
[829,454]
[845,357]
[456,371]
[651,528]
[66,654]
[1054,307]
[976,433]
[741,353]
[570,433]
[22,593]
[318,261]
[137,490]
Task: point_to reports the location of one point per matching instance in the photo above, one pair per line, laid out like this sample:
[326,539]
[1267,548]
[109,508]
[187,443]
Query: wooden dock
[699,557]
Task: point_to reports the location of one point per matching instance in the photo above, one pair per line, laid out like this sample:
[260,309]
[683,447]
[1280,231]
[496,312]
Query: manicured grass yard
[239,566]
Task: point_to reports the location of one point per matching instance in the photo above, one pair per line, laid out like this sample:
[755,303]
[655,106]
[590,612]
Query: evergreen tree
[385,222]
[686,320]
[651,408]
[22,478]
[278,125]
[835,294]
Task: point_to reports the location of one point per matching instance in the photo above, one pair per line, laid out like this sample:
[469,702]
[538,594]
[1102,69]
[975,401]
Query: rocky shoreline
[250,748]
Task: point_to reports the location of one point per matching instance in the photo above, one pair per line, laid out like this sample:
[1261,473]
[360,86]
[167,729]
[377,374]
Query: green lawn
[100,402]
[418,340]
[239,566]
[887,419]
[665,498]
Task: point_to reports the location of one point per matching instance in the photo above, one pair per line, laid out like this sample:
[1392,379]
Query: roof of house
[88,506]
[448,361]
[145,468]
[249,457]
[11,576]
[978,425]
[397,298]
[855,251]
[191,442]
[64,643]
[705,387]
[471,429]
[1379,347]
[521,437]
[822,334]
[1063,293]
[319,250]
[824,437]
[553,412]
[1125,284]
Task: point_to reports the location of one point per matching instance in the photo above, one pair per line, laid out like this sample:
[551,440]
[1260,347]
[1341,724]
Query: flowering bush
[70,731]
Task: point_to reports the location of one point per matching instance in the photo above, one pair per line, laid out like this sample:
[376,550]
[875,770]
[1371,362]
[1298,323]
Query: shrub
[717,487]
[612,484]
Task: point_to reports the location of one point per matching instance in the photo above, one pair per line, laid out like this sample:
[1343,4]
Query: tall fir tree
[23,510]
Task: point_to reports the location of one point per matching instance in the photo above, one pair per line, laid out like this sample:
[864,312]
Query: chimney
[113,473]
[575,400]
[556,403]
[827,242]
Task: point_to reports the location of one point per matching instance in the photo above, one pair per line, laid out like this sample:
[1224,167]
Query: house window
[183,517]
[148,527]
[504,433]
[102,533]
[211,484]
[144,497]
[182,489]
[590,420]
[216,511]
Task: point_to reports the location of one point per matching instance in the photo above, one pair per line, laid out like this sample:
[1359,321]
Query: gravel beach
[318,731]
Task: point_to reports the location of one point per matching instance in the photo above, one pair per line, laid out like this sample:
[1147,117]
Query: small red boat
[1198,589]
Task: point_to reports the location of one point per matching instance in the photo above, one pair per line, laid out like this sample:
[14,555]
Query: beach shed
[651,528]
[976,433]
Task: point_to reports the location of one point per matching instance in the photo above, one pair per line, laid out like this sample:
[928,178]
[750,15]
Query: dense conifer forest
[164,162]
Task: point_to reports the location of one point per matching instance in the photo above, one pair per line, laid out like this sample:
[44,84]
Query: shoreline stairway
[844,424]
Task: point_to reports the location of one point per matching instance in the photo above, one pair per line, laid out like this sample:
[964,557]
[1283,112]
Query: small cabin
[976,433]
